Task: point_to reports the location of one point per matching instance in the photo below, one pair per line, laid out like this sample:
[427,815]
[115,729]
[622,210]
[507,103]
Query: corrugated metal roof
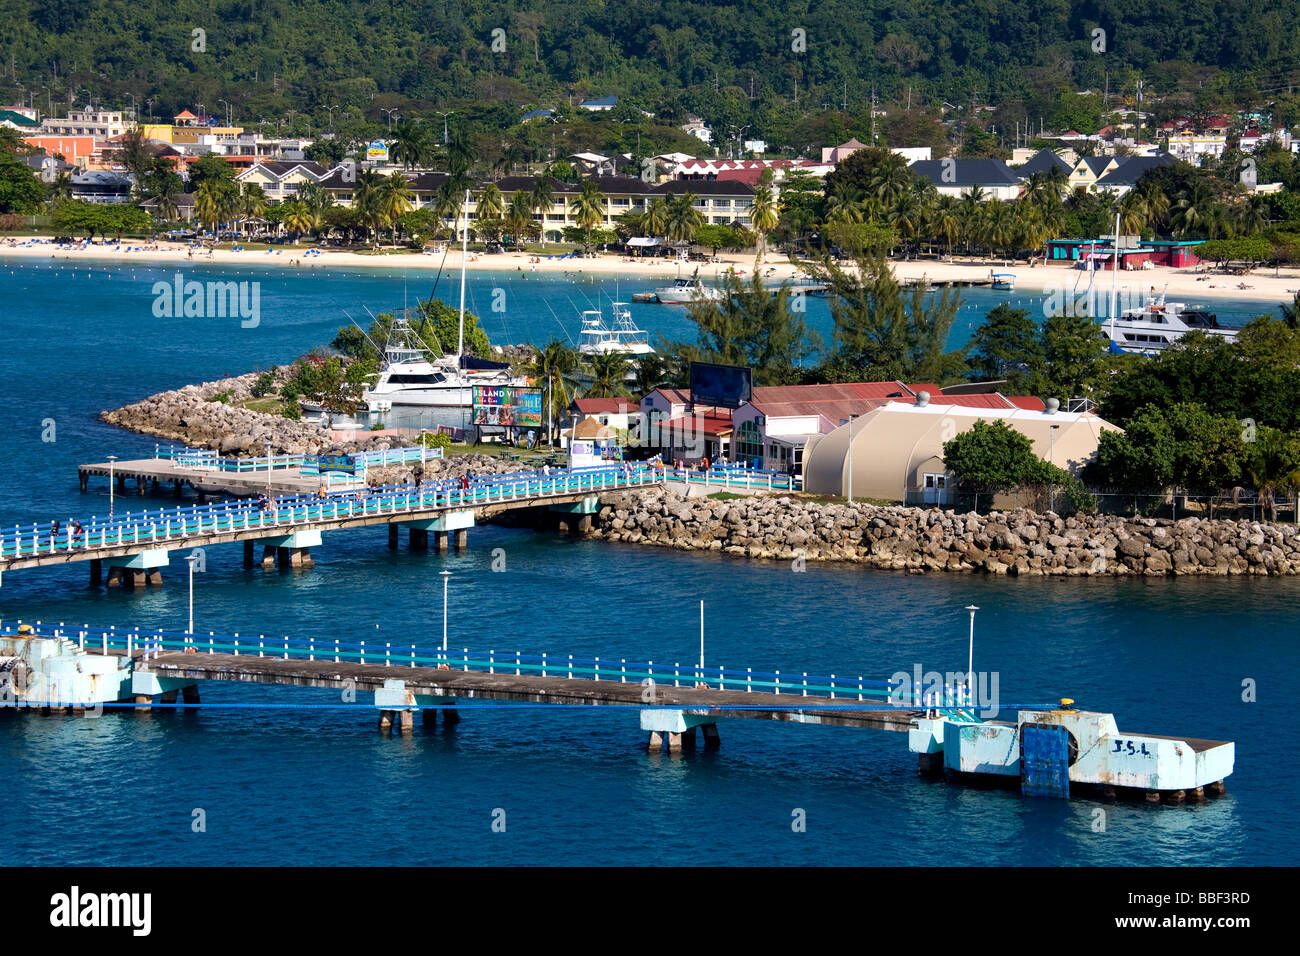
[601,406]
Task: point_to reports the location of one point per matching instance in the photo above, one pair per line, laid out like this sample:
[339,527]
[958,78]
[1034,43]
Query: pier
[1047,750]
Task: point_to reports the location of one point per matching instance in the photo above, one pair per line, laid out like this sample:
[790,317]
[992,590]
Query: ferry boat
[684,291]
[1158,325]
[596,338]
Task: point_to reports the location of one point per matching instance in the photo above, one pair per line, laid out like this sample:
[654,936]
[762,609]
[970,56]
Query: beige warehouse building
[897,452]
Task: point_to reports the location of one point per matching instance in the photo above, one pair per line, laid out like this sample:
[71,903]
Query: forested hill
[268,57]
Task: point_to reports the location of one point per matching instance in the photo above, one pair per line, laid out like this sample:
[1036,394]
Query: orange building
[78,150]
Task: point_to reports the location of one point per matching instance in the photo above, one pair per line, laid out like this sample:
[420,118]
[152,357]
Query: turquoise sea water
[318,786]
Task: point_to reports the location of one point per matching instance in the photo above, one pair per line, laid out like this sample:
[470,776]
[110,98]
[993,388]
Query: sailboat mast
[464,254]
[1114,276]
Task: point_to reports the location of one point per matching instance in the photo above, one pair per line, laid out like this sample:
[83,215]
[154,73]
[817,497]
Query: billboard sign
[377,151]
[508,406]
[341,464]
[720,386]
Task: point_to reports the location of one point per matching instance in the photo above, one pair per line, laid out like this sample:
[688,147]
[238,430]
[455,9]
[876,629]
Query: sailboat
[408,378]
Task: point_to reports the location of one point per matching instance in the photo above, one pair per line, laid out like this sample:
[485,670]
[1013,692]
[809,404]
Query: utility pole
[873,114]
[846,96]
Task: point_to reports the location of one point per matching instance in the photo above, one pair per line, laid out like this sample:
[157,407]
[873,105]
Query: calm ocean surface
[318,786]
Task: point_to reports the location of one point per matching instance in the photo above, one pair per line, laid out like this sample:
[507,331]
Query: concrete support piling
[711,739]
[462,539]
[169,697]
[440,541]
[142,702]
[406,722]
[248,554]
[268,556]
[419,540]
[96,572]
[386,721]
[190,693]
[392,536]
[450,716]
[656,744]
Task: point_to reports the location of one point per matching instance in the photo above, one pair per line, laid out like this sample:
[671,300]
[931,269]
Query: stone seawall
[189,416]
[918,540]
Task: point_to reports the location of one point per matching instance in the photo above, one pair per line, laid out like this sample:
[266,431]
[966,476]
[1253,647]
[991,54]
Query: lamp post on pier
[268,469]
[446,575]
[111,459]
[970,658]
[191,560]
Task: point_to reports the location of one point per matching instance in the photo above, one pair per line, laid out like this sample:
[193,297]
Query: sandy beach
[1183,284]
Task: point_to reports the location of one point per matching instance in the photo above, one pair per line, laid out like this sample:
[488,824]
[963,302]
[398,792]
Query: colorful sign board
[508,406]
[342,464]
[377,151]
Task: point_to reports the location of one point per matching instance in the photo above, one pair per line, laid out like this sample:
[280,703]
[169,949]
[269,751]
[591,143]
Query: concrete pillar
[190,694]
[141,485]
[406,722]
[1216,789]
[1108,793]
[121,481]
[169,696]
[929,764]
[419,540]
[83,478]
[248,554]
[155,576]
[1196,795]
[674,743]
[96,572]
[450,716]
[1176,796]
[430,717]
[584,524]
[385,721]
[462,539]
[562,526]
[392,536]
[268,556]
[142,702]
[440,541]
[711,739]
[656,744]
[1152,796]
[282,557]
[177,488]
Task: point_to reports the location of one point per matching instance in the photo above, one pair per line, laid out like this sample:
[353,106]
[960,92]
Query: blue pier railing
[850,689]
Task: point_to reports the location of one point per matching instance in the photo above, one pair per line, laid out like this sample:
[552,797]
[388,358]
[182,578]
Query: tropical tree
[609,372]
[519,221]
[588,209]
[655,218]
[298,218]
[682,218]
[541,199]
[763,217]
[410,143]
[368,201]
[491,204]
[215,202]
[553,367]
[396,199]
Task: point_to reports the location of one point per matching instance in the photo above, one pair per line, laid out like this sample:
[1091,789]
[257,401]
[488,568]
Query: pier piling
[392,536]
[462,539]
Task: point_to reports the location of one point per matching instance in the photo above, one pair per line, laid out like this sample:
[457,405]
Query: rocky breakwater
[919,540]
[209,416]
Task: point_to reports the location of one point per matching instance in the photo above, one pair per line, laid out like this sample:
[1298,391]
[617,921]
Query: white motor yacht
[1158,325]
[596,338]
[684,291]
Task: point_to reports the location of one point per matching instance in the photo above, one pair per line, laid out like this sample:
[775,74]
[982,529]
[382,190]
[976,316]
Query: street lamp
[444,123]
[331,110]
[228,111]
[446,575]
[390,111]
[1051,460]
[970,657]
[111,459]
[191,560]
[268,469]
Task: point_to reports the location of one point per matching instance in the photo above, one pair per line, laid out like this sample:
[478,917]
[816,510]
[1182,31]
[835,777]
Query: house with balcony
[281,180]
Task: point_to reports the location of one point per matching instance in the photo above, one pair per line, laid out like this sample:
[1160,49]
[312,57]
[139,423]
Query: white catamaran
[409,378]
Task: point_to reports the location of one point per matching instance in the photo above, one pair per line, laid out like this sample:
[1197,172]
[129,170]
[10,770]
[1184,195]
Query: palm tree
[252,202]
[396,199]
[553,367]
[519,217]
[972,216]
[411,145]
[1252,215]
[367,200]
[298,218]
[542,199]
[214,203]
[588,209]
[890,179]
[763,217]
[491,204]
[61,187]
[609,372]
[461,155]
[1193,209]
[908,217]
[655,218]
[682,218]
[947,220]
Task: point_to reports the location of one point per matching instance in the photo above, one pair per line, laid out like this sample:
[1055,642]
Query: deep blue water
[318,786]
